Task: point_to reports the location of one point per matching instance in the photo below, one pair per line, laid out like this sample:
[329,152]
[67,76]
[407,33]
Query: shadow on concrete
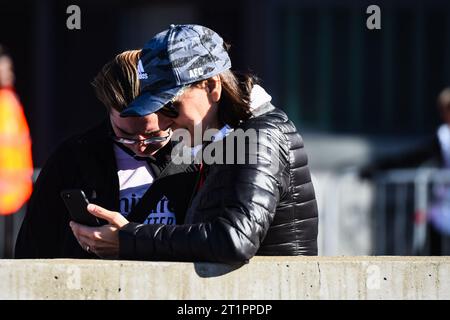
[209,270]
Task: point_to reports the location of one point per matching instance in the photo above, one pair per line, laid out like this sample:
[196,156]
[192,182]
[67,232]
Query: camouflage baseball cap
[174,58]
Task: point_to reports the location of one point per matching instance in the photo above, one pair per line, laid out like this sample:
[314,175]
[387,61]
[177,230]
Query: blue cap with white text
[174,58]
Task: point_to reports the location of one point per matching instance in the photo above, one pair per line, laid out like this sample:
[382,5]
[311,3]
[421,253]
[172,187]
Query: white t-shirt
[135,177]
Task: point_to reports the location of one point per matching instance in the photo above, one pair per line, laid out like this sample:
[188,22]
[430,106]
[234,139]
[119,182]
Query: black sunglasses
[169,110]
[129,141]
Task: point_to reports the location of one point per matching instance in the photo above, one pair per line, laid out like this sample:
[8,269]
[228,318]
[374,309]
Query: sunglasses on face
[169,110]
[151,140]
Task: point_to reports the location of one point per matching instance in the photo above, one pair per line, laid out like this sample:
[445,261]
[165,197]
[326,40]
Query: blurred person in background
[16,165]
[439,210]
[123,163]
[434,152]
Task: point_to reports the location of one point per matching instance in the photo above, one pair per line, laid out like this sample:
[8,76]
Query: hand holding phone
[76,202]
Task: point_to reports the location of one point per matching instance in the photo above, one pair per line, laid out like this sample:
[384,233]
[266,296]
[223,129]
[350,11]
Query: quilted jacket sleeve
[230,215]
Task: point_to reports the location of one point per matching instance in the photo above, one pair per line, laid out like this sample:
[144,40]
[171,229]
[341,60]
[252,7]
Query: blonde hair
[117,84]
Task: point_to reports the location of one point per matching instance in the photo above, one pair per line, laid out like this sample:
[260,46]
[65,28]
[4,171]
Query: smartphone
[76,202]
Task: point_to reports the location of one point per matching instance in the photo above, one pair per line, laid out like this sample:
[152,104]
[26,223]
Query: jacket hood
[258,97]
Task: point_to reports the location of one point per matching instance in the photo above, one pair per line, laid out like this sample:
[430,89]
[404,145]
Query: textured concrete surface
[262,278]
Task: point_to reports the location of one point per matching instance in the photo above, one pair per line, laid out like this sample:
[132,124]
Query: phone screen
[76,202]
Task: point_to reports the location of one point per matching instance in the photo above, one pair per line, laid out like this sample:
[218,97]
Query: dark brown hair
[117,84]
[234,104]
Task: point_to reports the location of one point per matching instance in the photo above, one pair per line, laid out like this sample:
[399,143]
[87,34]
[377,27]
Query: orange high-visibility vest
[16,165]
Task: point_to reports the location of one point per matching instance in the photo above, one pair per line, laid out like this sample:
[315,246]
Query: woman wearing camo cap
[240,208]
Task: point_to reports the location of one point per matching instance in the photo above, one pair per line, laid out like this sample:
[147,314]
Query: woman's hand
[102,241]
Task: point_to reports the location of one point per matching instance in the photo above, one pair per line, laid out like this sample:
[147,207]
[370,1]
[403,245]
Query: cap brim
[148,102]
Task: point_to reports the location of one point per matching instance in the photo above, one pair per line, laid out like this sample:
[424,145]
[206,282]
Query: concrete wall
[262,278]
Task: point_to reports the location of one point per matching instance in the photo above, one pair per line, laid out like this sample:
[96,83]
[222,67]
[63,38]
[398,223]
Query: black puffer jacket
[242,210]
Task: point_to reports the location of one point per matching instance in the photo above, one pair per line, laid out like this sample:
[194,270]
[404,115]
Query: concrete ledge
[262,278]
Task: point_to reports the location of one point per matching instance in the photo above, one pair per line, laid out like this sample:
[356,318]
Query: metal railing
[401,210]
[386,215]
